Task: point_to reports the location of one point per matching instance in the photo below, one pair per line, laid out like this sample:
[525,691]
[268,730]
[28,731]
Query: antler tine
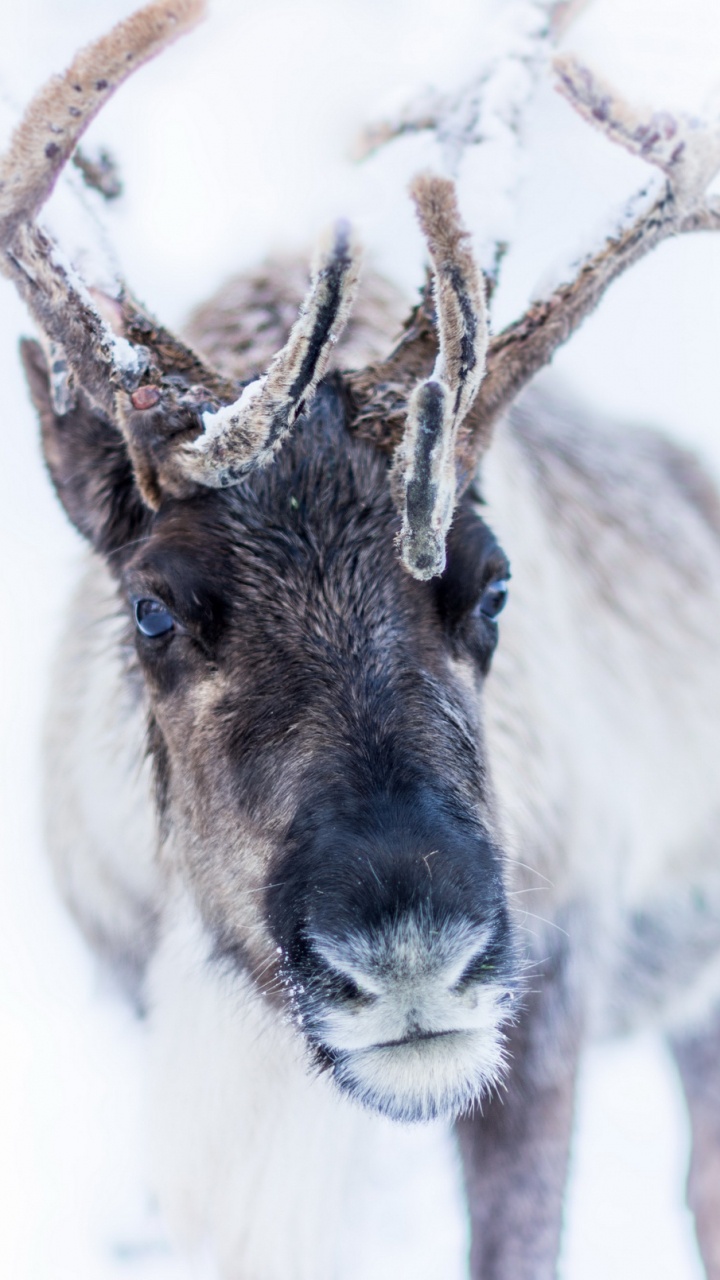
[41,145]
[484,107]
[424,470]
[685,148]
[61,111]
[458,118]
[246,434]
[687,151]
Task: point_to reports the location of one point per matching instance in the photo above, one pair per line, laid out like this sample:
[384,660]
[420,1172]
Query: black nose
[359,868]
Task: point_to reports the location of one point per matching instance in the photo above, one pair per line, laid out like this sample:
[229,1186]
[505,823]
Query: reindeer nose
[401,908]
[409,958]
[410,1009]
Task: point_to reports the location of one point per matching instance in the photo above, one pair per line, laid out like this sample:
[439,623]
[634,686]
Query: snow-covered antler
[247,433]
[158,391]
[424,467]
[40,147]
[519,41]
[685,149]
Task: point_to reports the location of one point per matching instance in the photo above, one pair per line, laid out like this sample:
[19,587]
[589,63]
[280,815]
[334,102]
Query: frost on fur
[428,474]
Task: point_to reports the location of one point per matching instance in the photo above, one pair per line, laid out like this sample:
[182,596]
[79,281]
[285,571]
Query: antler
[158,391]
[186,425]
[40,147]
[687,151]
[425,459]
[517,44]
[249,432]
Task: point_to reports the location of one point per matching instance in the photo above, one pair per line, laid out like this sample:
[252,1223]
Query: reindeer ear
[88,462]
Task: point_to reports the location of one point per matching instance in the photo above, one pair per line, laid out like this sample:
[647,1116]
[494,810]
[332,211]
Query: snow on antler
[183,422]
[685,147]
[424,468]
[687,151]
[518,39]
[486,116]
[40,147]
[248,433]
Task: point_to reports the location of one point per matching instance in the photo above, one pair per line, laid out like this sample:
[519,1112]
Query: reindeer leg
[515,1150]
[698,1059]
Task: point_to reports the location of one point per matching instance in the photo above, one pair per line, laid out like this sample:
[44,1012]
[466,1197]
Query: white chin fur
[423,1079]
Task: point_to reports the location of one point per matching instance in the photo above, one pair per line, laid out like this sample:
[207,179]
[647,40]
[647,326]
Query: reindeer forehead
[319,521]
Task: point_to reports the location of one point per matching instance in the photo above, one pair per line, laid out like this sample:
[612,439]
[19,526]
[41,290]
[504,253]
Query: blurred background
[237,142]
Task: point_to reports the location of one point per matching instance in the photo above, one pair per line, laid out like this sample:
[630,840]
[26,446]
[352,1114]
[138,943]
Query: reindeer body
[359,868]
[602,716]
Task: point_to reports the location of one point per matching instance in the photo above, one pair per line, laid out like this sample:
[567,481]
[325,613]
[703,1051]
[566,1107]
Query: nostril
[343,980]
[344,988]
[480,969]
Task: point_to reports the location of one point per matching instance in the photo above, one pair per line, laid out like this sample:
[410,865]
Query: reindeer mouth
[414,1037]
[407,1032]
[424,1076]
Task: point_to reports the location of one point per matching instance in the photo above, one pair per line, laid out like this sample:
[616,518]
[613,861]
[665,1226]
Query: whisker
[517,863]
[257,973]
[551,923]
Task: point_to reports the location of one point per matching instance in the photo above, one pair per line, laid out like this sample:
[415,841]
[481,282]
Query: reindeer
[294,791]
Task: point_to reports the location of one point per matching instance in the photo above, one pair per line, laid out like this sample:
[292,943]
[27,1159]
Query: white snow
[610,226]
[124,355]
[215,423]
[232,144]
[131,360]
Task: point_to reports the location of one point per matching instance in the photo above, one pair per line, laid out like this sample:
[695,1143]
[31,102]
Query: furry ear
[88,462]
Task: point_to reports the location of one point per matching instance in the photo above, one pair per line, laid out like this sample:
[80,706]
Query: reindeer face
[317,736]
[313,696]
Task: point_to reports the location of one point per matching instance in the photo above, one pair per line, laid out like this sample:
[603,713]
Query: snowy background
[234,143]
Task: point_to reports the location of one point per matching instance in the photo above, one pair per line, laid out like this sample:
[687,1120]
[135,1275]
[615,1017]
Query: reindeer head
[312,595]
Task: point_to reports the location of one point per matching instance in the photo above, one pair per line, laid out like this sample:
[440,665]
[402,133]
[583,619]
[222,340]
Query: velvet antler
[184,423]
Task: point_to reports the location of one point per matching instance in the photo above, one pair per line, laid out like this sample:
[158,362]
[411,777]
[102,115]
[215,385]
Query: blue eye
[152,618]
[493,598]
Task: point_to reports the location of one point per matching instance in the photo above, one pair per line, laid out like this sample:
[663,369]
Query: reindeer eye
[493,598]
[152,618]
